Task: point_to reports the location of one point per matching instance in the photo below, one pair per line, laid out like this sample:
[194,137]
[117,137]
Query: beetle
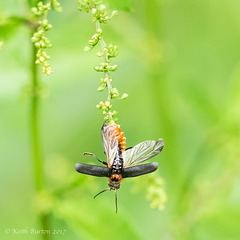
[121,163]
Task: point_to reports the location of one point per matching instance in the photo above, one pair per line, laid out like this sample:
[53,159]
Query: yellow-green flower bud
[124,96]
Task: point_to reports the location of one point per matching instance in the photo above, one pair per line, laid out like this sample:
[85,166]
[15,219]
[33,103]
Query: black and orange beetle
[121,163]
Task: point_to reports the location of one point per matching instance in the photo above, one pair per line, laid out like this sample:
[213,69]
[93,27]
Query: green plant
[101,15]
[41,42]
[36,20]
[39,55]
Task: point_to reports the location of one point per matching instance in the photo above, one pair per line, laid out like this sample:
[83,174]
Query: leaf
[9,25]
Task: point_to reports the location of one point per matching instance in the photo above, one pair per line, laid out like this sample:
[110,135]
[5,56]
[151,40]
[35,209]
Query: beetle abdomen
[116,130]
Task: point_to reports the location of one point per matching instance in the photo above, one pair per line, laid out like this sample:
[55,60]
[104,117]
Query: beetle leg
[128,148]
[91,154]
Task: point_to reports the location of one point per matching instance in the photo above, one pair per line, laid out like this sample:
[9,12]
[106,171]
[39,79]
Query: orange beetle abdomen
[120,136]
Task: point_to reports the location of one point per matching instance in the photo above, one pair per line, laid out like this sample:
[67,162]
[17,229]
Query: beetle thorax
[116,176]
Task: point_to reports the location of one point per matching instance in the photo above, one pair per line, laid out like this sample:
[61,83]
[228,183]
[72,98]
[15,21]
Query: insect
[121,163]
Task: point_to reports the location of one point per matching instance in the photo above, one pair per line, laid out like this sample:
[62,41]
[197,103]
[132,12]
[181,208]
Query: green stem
[37,159]
[105,59]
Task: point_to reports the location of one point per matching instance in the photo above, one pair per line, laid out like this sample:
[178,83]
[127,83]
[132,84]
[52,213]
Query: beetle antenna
[101,192]
[116,199]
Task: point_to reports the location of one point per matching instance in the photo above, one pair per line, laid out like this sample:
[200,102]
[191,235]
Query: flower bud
[101,87]
[37,44]
[94,10]
[99,31]
[102,7]
[99,54]
[114,93]
[113,68]
[114,13]
[124,96]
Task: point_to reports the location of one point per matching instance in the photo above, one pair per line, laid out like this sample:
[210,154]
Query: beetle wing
[142,152]
[110,143]
[97,171]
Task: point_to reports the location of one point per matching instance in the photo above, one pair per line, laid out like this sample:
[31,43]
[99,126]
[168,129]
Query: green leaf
[9,25]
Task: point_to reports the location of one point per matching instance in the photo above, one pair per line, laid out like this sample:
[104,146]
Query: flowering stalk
[39,55]
[152,183]
[100,15]
[41,42]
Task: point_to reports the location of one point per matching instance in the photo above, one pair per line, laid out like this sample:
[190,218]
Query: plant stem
[37,159]
[105,59]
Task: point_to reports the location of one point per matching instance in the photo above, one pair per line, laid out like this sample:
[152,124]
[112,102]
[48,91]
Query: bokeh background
[179,63]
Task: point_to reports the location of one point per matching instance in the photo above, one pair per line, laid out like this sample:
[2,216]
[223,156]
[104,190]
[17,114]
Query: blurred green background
[179,63]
